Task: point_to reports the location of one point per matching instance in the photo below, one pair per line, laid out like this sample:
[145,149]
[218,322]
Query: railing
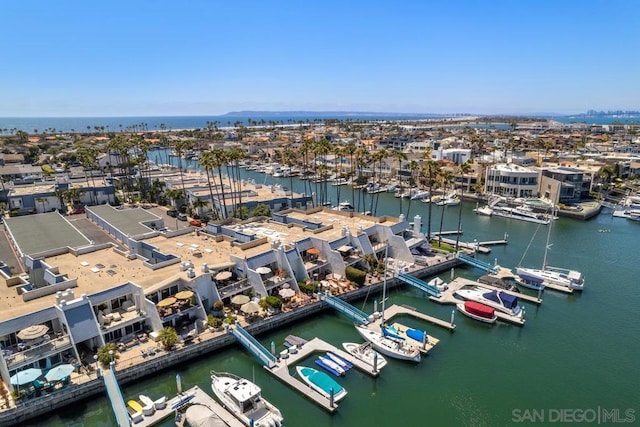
[234,288]
[50,347]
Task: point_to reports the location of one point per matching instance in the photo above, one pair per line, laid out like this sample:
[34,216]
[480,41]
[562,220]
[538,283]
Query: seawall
[73,393]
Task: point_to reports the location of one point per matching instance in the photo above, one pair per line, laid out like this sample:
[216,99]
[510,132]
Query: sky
[206,57]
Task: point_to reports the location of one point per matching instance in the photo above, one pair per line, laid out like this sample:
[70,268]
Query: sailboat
[534,278]
[385,342]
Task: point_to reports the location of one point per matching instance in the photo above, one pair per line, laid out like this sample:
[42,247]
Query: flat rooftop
[33,189]
[105,268]
[129,221]
[43,232]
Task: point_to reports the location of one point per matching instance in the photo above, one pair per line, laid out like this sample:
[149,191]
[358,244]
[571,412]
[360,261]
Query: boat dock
[505,272]
[448,297]
[474,246]
[193,396]
[396,310]
[281,369]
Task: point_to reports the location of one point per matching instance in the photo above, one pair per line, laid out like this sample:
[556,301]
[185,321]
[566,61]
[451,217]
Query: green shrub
[214,322]
[355,275]
[306,288]
[270,302]
[218,305]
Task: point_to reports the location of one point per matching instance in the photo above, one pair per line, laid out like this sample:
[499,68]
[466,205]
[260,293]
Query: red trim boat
[477,311]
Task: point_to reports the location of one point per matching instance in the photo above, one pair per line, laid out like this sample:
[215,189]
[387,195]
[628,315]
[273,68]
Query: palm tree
[168,337]
[107,353]
[207,161]
[431,170]
[399,156]
[463,170]
[447,178]
[87,156]
[42,200]
[174,194]
[197,205]
[219,159]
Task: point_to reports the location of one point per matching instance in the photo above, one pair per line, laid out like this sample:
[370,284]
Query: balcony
[234,288]
[31,354]
[314,263]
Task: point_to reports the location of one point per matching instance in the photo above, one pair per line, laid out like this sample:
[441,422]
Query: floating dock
[281,369]
[396,310]
[193,396]
[505,272]
[448,297]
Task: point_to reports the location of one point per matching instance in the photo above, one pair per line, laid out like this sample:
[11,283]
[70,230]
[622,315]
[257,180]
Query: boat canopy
[508,301]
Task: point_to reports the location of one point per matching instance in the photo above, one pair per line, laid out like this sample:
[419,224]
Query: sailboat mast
[384,283]
[546,246]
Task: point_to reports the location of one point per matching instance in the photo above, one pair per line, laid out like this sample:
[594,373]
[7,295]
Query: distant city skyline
[162,58]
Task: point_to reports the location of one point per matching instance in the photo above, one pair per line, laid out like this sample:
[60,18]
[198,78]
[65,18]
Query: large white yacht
[498,300]
[243,398]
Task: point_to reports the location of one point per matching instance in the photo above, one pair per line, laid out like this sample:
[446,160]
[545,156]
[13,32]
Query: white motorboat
[322,383]
[344,207]
[390,346]
[365,353]
[522,213]
[478,311]
[498,300]
[536,277]
[570,279]
[449,200]
[415,194]
[244,399]
[483,210]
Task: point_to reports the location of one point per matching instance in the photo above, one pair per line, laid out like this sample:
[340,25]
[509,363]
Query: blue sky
[118,58]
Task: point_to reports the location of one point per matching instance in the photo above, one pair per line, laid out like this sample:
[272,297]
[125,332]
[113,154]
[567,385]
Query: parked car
[182,217]
[172,213]
[195,222]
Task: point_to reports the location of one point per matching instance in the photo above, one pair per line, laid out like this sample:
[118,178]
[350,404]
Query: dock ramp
[419,284]
[489,268]
[254,347]
[115,397]
[345,308]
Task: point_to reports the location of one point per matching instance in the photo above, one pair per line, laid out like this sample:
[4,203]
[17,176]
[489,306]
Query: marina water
[576,352]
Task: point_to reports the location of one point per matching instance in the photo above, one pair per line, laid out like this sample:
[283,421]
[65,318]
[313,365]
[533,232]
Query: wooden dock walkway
[493,242]
[448,297]
[466,245]
[200,397]
[281,369]
[396,310]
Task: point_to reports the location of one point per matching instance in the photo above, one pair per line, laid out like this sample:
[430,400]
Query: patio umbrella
[59,372]
[240,299]
[250,308]
[25,377]
[184,294]
[167,302]
[32,332]
[313,251]
[223,275]
[286,293]
[263,270]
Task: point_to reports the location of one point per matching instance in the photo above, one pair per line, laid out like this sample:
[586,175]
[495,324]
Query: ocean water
[115,124]
[577,354]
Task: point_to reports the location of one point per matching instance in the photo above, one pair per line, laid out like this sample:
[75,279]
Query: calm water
[115,124]
[575,352]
